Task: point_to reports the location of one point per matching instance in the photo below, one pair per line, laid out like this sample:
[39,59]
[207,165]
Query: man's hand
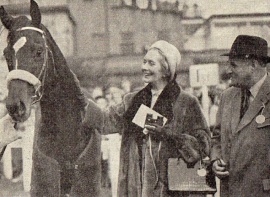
[8,133]
[220,169]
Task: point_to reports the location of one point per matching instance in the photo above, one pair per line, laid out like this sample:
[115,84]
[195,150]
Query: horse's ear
[6,19]
[35,13]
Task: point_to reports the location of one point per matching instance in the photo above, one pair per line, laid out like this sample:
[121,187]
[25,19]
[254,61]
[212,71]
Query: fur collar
[164,104]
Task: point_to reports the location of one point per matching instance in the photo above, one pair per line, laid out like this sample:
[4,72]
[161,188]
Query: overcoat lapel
[235,110]
[256,105]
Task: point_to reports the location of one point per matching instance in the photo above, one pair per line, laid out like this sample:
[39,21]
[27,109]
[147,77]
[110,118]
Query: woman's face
[151,68]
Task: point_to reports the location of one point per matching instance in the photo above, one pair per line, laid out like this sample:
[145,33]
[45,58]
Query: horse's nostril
[17,109]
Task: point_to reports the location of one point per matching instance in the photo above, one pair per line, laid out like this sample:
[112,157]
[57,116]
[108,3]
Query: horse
[66,155]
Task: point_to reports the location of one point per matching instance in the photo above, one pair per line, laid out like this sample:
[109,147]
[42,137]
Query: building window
[164,35]
[222,24]
[127,44]
[99,42]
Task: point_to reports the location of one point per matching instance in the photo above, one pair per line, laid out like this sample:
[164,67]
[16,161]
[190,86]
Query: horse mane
[63,76]
[61,107]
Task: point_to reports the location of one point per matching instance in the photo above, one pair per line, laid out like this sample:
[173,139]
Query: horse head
[26,55]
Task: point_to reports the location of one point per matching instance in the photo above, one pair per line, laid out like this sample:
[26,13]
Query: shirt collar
[255,88]
[156,92]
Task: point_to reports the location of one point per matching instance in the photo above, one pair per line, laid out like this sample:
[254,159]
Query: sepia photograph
[134,98]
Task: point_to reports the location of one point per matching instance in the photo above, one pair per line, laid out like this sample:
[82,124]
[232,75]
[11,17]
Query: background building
[55,16]
[106,40]
[216,35]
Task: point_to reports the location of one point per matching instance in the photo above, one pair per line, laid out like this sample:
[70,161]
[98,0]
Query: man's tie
[245,99]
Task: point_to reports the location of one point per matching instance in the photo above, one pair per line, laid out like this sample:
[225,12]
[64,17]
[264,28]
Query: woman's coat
[187,133]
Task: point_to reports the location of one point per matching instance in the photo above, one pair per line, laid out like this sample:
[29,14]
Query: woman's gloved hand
[153,129]
[189,148]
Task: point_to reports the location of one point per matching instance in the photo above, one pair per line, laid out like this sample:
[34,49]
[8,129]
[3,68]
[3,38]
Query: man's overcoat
[244,144]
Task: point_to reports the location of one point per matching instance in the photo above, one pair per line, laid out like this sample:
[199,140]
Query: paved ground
[9,189]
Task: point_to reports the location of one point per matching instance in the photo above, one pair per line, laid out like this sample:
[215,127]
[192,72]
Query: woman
[145,151]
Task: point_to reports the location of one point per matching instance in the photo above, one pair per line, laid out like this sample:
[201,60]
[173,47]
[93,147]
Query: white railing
[26,144]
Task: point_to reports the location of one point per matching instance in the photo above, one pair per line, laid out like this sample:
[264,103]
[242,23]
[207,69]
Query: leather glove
[153,129]
[219,167]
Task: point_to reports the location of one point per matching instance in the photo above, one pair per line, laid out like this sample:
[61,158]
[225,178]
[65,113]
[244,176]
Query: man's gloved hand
[219,167]
[8,133]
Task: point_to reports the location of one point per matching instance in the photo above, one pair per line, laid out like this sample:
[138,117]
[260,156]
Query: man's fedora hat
[246,46]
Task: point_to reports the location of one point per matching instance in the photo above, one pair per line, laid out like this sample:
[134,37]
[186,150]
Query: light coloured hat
[171,53]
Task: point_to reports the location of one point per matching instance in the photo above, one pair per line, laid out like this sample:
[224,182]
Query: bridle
[37,82]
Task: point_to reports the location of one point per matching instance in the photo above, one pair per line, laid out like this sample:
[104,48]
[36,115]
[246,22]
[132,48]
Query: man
[241,142]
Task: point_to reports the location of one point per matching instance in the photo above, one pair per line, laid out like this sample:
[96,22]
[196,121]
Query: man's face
[241,72]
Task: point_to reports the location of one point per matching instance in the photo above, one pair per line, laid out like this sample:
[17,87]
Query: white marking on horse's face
[19,44]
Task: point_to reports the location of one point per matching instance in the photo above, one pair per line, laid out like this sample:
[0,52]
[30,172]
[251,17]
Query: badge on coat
[260,119]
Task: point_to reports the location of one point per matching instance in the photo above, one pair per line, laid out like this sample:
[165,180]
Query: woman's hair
[164,65]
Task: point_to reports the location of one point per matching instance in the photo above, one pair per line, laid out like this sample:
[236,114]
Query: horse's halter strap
[24,75]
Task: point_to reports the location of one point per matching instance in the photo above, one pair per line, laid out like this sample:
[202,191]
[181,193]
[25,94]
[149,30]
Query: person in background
[126,85]
[214,107]
[202,94]
[197,91]
[3,109]
[241,143]
[115,96]
[102,102]
[145,151]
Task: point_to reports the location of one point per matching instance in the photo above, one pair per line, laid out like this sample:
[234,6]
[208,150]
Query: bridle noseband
[37,82]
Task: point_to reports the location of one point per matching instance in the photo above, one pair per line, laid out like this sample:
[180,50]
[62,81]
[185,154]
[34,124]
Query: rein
[37,82]
[2,29]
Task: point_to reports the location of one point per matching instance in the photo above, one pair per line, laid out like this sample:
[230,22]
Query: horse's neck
[62,95]
[61,107]
[61,78]
[61,127]
[65,91]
